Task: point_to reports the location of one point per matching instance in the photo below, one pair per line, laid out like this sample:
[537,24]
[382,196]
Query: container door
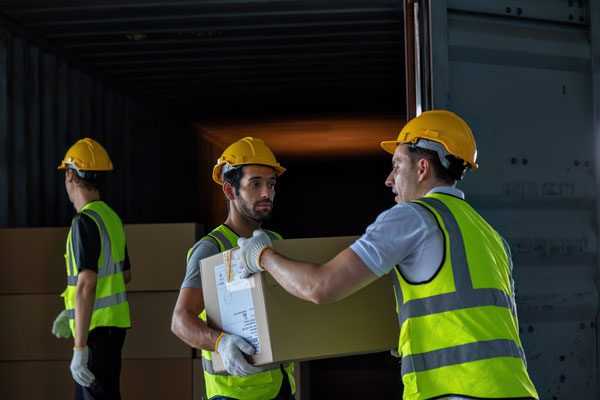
[524,75]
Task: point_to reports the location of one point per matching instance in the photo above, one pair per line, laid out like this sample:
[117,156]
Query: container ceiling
[235,58]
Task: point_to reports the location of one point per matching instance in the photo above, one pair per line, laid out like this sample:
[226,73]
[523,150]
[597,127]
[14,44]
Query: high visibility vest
[459,333]
[111,307]
[261,386]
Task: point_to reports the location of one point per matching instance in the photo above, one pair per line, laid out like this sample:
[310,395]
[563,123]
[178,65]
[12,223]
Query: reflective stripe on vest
[449,298]
[465,296]
[111,306]
[103,302]
[257,386]
[461,354]
[224,243]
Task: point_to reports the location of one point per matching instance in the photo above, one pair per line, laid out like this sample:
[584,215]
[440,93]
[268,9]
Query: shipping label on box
[283,327]
[236,306]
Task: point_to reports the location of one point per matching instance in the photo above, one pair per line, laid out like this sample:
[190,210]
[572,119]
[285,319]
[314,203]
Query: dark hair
[91,180]
[234,178]
[446,175]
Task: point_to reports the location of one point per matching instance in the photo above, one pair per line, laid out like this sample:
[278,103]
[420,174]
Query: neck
[240,224]
[427,186]
[82,197]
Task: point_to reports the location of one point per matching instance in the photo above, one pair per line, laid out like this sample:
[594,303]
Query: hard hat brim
[218,178]
[389,146]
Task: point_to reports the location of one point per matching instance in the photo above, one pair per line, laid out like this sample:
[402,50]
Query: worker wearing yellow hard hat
[248,172]
[96,310]
[87,155]
[245,151]
[459,335]
[441,127]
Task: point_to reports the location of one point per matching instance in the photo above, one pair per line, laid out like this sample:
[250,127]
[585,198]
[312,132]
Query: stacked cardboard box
[31,278]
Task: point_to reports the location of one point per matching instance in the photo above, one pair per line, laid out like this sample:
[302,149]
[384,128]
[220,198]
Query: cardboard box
[156,379]
[31,317]
[150,335]
[140,379]
[28,328]
[36,380]
[157,253]
[32,260]
[286,328]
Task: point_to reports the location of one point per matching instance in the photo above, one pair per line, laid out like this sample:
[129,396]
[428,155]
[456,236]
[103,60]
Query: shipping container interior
[166,86]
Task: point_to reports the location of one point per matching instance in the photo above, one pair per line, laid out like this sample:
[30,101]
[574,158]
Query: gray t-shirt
[202,249]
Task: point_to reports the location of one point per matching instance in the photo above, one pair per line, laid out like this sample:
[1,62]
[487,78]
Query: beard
[250,211]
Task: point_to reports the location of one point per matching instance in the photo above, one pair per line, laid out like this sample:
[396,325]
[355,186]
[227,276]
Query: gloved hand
[251,250]
[232,349]
[60,326]
[79,367]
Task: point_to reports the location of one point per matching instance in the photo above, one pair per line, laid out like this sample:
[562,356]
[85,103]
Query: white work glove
[79,367]
[250,251]
[60,326]
[232,349]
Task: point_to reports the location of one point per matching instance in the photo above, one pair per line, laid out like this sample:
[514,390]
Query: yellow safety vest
[459,333]
[111,307]
[261,386]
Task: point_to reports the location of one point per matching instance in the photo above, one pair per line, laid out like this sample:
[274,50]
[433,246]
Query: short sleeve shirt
[87,244]
[202,249]
[406,236]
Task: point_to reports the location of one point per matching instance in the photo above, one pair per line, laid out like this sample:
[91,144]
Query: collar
[451,190]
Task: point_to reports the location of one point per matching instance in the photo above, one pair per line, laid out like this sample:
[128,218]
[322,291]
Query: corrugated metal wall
[521,76]
[46,104]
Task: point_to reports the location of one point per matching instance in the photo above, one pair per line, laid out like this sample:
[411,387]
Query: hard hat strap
[434,146]
[455,165]
[90,176]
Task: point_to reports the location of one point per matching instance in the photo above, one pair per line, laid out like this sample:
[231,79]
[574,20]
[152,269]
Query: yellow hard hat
[87,155]
[443,127]
[248,150]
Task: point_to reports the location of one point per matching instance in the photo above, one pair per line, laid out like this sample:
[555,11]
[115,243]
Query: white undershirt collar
[451,190]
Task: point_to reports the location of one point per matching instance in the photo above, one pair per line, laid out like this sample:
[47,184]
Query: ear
[69,175]
[228,191]
[423,169]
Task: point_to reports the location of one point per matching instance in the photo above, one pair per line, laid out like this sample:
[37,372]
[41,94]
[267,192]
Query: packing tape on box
[228,266]
[233,282]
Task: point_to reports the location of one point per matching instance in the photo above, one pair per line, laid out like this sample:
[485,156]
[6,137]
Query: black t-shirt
[87,244]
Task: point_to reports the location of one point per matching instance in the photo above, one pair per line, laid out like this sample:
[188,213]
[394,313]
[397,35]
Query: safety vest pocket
[263,378]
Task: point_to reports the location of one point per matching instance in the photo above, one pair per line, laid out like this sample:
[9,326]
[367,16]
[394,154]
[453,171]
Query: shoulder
[203,248]
[405,213]
[401,221]
[83,220]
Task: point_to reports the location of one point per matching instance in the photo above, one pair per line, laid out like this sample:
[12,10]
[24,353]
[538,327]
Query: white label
[236,305]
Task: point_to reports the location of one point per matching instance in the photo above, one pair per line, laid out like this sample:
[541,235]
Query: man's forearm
[302,279]
[85,296]
[193,331]
[343,275]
